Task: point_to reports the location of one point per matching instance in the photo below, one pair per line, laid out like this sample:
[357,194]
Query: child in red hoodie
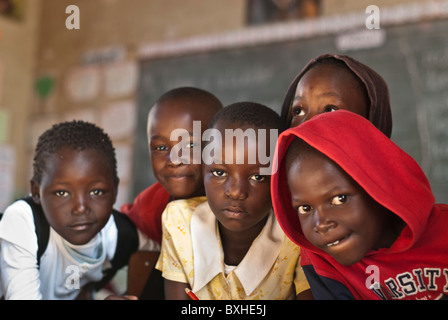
[362,211]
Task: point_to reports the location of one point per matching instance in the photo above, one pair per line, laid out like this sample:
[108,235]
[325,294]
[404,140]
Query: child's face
[181,180]
[237,194]
[335,213]
[77,193]
[326,88]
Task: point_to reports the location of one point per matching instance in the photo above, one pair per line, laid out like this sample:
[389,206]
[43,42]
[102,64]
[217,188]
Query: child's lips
[81,226]
[336,242]
[234,212]
[177,178]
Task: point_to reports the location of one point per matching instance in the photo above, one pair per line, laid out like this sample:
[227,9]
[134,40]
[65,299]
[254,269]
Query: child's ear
[35,191]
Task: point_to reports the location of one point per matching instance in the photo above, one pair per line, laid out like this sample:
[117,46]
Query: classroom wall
[49,73]
[108,39]
[18,57]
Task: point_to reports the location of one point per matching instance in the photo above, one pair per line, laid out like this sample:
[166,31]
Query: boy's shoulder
[154,190]
[187,204]
[151,197]
[19,205]
[182,209]
[16,224]
[434,238]
[24,214]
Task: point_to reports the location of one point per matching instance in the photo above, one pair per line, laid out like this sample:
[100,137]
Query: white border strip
[251,36]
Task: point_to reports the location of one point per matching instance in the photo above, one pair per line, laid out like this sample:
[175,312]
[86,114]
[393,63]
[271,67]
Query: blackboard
[413,60]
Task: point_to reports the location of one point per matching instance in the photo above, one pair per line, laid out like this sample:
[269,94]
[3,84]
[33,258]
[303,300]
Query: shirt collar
[208,251]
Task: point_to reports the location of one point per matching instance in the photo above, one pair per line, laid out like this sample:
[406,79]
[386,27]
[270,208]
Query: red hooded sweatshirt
[415,266]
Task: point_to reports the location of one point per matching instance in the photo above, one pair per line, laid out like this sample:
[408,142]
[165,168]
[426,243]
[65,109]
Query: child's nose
[175,160]
[235,189]
[81,205]
[322,223]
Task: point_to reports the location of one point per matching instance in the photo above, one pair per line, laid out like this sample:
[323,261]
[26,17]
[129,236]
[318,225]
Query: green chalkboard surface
[413,59]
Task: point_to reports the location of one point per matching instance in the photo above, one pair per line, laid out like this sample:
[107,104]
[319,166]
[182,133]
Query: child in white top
[75,184]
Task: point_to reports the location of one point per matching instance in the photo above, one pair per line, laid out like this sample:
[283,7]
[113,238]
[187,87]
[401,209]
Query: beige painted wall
[18,52]
[126,24]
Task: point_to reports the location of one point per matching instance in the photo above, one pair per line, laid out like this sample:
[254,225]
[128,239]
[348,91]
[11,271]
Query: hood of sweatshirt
[380,113]
[387,173]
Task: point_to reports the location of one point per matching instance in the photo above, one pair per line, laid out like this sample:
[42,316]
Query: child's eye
[298,112]
[338,200]
[161,148]
[61,193]
[330,108]
[191,145]
[257,177]
[218,173]
[96,192]
[304,209]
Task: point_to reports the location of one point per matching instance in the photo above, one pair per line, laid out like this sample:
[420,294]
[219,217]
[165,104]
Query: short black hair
[78,135]
[250,113]
[192,93]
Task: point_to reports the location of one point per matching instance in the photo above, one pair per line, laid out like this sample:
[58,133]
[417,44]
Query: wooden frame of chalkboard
[410,50]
